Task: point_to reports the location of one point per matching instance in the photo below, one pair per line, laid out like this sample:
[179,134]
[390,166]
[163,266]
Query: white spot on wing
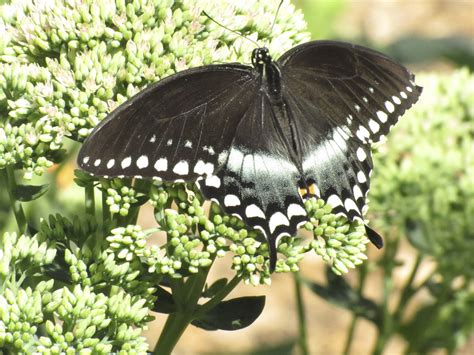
[334,201]
[357,192]
[231,201]
[110,163]
[85,160]
[202,168]
[374,126]
[396,100]
[253,211]
[295,210]
[363,134]
[409,89]
[188,144]
[169,142]
[361,177]
[349,204]
[213,181]
[361,154]
[357,107]
[126,162]
[181,168]
[161,164]
[276,220]
[142,162]
[382,116]
[389,106]
[371,89]
[403,95]
[153,139]
[97,162]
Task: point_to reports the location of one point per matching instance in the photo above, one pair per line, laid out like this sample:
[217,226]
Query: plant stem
[407,291]
[360,288]
[302,338]
[188,295]
[90,200]
[8,175]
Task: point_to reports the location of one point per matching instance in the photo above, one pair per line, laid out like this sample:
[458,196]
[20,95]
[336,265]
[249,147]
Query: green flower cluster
[64,65]
[428,169]
[120,197]
[196,237]
[76,319]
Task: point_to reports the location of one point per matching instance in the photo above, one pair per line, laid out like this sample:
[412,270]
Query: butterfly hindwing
[258,181]
[175,129]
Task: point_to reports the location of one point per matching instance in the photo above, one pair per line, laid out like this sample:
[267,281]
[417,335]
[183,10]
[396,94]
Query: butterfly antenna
[229,29]
[276,15]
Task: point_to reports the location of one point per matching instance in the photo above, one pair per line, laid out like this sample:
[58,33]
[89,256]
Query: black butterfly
[260,140]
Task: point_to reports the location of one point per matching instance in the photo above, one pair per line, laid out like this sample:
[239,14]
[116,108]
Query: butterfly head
[261,57]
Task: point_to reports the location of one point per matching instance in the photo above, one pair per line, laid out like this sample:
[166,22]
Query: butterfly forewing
[357,87]
[175,129]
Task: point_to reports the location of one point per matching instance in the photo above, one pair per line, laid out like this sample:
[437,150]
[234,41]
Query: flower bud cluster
[64,65]
[120,196]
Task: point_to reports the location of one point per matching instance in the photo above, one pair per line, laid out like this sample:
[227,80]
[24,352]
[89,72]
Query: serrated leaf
[211,291]
[164,303]
[233,314]
[25,193]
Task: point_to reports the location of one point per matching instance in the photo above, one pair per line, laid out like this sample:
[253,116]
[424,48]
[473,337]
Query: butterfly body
[260,140]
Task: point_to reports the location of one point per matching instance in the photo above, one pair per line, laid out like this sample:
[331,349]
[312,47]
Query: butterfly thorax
[268,69]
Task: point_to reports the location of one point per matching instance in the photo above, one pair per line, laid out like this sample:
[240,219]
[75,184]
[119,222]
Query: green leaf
[211,291]
[164,303]
[25,193]
[234,314]
[418,238]
[340,293]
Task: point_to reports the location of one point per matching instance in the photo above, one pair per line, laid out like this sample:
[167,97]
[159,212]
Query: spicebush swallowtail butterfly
[260,140]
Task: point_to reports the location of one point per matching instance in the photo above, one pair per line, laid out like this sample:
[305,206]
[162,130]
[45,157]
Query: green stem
[360,288]
[90,200]
[188,295]
[8,175]
[302,338]
[407,291]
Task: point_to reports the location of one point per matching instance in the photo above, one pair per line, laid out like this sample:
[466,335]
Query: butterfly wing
[343,97]
[258,182]
[175,129]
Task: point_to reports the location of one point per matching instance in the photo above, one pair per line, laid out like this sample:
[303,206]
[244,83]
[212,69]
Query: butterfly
[261,139]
